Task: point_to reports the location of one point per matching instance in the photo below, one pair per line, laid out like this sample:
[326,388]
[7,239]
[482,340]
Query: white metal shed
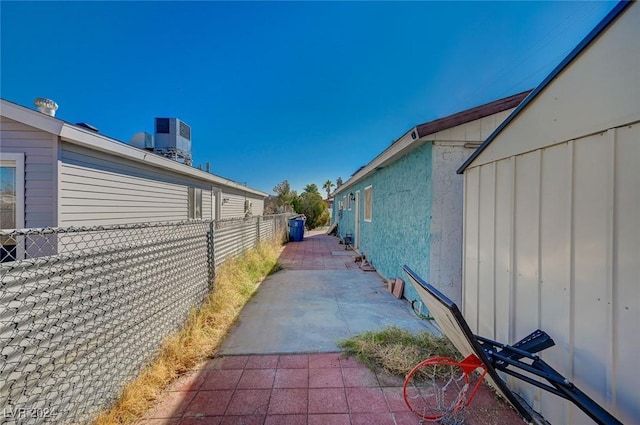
[551,234]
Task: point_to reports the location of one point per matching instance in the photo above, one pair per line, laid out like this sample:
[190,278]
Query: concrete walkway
[280,364]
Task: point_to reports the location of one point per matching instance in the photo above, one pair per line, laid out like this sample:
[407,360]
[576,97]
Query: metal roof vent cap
[46,106]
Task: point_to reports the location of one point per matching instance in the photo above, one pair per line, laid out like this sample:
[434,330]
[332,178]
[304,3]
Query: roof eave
[423,133]
[96,141]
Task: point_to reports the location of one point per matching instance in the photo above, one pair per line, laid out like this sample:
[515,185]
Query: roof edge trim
[421,132]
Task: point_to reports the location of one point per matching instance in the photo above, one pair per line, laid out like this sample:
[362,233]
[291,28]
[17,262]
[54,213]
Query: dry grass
[236,281]
[396,350]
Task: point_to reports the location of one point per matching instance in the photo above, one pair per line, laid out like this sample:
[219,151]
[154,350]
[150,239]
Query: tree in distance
[311,204]
[327,186]
[285,196]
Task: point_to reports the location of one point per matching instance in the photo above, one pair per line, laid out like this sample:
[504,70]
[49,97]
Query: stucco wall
[399,232]
[446,219]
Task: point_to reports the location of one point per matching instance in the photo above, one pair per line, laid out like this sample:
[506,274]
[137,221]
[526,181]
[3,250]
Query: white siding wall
[552,241]
[98,188]
[257,207]
[233,204]
[551,227]
[40,151]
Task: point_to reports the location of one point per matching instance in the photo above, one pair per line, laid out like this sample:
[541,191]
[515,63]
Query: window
[195,203]
[368,203]
[344,203]
[11,203]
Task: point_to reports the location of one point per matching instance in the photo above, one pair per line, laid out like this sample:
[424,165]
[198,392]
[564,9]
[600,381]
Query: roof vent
[87,126]
[46,106]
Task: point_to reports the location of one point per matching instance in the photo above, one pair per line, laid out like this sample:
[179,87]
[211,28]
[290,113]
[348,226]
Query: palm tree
[327,186]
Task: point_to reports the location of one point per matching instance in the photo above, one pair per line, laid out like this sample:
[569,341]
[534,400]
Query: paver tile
[324,360]
[291,378]
[228,362]
[331,418]
[325,378]
[249,402]
[350,362]
[286,420]
[286,401]
[395,399]
[293,361]
[262,362]
[243,420]
[209,403]
[222,379]
[373,418]
[359,377]
[366,400]
[406,418]
[327,400]
[257,378]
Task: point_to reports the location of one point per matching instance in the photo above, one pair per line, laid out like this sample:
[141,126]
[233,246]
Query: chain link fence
[83,309]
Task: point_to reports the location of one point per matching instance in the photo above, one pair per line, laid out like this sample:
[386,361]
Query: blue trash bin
[296,229]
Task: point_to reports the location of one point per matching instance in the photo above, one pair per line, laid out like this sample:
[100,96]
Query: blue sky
[303,91]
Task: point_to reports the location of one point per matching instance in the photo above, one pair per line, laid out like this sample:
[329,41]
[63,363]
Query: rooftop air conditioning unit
[173,139]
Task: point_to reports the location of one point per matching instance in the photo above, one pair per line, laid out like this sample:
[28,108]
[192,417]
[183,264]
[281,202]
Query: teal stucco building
[405,206]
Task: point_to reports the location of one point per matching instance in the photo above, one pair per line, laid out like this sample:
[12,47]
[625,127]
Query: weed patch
[396,350]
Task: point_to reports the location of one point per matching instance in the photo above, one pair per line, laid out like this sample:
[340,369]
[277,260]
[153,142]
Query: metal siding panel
[526,287]
[555,278]
[472,213]
[206,204]
[25,134]
[527,181]
[258,206]
[98,188]
[88,185]
[486,272]
[591,251]
[626,300]
[39,169]
[503,247]
[232,205]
